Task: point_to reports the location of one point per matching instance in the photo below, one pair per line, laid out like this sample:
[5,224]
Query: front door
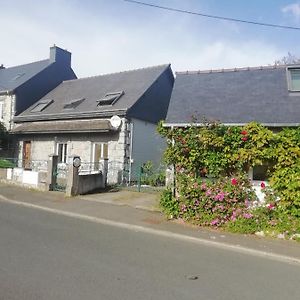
[27,155]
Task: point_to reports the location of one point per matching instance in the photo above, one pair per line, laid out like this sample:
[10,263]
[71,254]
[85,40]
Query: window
[260,173]
[41,105]
[1,110]
[294,79]
[110,98]
[100,151]
[62,150]
[73,104]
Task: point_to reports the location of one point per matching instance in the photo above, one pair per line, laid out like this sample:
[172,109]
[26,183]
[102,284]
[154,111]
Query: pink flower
[195,185]
[234,181]
[244,132]
[247,215]
[270,206]
[262,185]
[208,193]
[220,196]
[244,138]
[214,222]
[203,186]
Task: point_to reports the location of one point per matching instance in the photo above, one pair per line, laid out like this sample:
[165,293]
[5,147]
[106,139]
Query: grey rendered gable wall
[147,145]
[42,83]
[153,105]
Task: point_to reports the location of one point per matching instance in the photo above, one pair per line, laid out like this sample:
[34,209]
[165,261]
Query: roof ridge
[227,70]
[115,73]
[23,65]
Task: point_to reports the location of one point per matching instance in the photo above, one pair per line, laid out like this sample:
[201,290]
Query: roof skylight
[110,98]
[41,105]
[73,103]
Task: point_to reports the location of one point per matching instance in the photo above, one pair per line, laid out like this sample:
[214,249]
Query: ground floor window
[100,151]
[62,151]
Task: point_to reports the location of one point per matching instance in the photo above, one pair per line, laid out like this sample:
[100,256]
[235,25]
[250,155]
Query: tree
[3,136]
[289,59]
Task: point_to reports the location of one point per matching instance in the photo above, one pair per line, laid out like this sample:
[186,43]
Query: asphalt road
[49,256]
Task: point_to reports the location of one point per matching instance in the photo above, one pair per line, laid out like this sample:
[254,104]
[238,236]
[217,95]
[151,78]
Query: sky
[106,36]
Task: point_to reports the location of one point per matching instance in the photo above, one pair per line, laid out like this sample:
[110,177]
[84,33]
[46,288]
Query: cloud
[293,9]
[112,39]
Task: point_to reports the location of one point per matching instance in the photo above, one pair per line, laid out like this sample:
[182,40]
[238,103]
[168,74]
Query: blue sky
[107,36]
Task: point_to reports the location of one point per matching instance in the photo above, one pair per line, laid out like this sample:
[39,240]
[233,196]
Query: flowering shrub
[212,163]
[214,202]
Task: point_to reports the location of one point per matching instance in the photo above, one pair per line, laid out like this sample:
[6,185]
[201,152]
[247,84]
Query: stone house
[108,117]
[268,95]
[23,85]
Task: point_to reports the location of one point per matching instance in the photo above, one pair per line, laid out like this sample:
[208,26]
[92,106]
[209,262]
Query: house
[108,117]
[268,95]
[23,85]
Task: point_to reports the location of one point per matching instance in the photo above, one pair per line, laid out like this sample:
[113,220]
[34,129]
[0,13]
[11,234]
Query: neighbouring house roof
[11,78]
[106,95]
[63,126]
[235,96]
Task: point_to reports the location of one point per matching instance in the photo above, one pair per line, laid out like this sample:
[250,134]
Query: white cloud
[104,42]
[293,9]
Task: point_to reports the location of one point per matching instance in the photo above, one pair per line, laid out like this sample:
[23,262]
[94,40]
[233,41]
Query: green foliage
[3,135]
[6,164]
[151,176]
[221,154]
[169,204]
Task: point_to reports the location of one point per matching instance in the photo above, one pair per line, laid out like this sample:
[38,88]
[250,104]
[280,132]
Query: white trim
[231,124]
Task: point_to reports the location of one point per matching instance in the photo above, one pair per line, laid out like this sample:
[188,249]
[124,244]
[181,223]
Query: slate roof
[133,83]
[12,78]
[235,96]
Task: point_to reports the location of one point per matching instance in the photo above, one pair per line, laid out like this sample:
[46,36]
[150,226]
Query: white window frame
[289,78]
[102,156]
[64,152]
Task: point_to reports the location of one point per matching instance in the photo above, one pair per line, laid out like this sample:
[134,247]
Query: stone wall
[8,110]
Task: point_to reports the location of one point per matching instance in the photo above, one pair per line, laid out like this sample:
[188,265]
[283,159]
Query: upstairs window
[73,104]
[294,79]
[41,105]
[110,98]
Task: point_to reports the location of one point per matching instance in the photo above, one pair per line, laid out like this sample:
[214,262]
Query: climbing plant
[218,158]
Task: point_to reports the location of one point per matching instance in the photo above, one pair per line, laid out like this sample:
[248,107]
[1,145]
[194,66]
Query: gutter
[171,125]
[66,116]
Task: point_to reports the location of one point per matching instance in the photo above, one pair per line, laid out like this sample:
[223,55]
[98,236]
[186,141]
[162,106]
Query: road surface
[49,256]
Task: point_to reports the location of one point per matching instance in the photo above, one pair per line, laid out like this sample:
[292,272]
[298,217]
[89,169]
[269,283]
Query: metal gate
[60,174]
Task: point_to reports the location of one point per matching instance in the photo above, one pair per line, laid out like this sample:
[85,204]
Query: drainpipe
[130,150]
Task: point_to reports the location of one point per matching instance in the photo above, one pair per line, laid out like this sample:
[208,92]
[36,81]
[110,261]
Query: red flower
[244,132]
[234,181]
[244,138]
[262,185]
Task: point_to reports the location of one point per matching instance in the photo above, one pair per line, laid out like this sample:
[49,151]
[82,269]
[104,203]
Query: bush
[223,156]
[6,164]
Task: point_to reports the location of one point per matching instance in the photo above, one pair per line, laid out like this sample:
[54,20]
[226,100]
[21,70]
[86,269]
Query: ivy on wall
[220,157]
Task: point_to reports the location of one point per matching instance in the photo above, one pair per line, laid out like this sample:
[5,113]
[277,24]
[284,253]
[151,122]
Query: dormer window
[73,103]
[294,79]
[41,106]
[110,98]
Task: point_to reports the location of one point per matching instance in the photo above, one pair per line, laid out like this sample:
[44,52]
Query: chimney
[2,67]
[60,55]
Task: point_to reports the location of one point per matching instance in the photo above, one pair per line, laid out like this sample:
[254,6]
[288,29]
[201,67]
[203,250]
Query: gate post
[51,171]
[72,188]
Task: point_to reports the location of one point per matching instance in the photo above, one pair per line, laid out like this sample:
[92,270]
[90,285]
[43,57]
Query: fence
[143,177]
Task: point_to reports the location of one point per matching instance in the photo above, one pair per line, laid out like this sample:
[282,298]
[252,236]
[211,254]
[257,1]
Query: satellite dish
[115,122]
